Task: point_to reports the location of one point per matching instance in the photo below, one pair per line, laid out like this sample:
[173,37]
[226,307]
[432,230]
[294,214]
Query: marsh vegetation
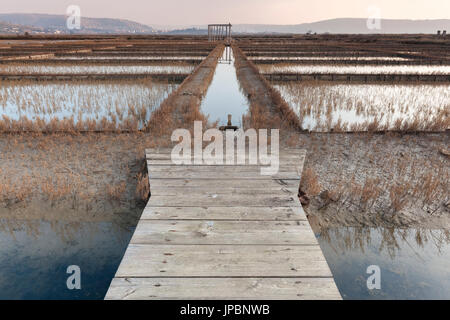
[51,106]
[326,106]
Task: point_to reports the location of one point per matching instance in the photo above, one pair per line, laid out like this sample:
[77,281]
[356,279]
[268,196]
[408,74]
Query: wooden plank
[217,189]
[217,169]
[223,261]
[218,174]
[223,183]
[224,232]
[169,151]
[224,213]
[223,289]
[296,167]
[294,161]
[167,157]
[221,200]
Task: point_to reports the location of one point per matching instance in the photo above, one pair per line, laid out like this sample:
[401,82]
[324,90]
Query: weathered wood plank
[160,158]
[218,169]
[224,232]
[224,213]
[223,183]
[218,174]
[223,289]
[282,151]
[168,156]
[211,200]
[142,260]
[217,189]
[294,161]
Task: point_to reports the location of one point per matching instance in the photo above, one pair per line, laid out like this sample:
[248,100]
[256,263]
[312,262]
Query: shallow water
[94,69]
[128,57]
[354,69]
[115,101]
[322,105]
[331,58]
[224,95]
[414,264]
[35,255]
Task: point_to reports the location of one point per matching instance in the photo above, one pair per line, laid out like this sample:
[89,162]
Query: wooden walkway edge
[223,232]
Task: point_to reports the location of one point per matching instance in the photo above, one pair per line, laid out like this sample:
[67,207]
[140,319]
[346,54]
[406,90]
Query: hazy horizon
[200,12]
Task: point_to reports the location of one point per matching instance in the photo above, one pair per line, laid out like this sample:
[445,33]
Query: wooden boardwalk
[223,232]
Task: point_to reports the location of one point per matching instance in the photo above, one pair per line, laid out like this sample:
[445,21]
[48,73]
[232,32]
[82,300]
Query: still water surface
[35,254]
[414,263]
[224,95]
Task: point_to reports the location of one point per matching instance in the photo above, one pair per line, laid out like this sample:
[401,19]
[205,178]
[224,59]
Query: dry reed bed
[106,60]
[101,68]
[92,60]
[346,61]
[257,59]
[52,106]
[267,108]
[387,180]
[342,107]
[333,68]
[352,180]
[67,174]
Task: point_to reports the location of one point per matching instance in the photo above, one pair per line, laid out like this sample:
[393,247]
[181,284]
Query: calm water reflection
[34,256]
[224,95]
[415,264]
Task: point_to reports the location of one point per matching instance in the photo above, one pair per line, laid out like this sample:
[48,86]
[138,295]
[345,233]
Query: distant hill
[187,31]
[342,25]
[51,23]
[9,28]
[349,25]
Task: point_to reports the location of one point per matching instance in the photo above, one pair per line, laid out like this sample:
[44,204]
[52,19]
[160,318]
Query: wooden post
[219,32]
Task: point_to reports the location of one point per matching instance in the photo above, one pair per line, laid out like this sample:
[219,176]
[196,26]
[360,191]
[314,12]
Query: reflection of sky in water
[85,101]
[415,264]
[224,96]
[90,57]
[34,256]
[356,69]
[93,69]
[357,103]
[332,58]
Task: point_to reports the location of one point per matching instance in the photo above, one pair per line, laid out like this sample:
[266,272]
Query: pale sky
[196,12]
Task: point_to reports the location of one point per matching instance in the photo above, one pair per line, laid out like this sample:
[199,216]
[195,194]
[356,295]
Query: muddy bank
[267,108]
[182,107]
[61,176]
[368,180]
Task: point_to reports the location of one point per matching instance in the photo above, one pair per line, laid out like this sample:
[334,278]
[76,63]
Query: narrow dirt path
[267,108]
[181,108]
